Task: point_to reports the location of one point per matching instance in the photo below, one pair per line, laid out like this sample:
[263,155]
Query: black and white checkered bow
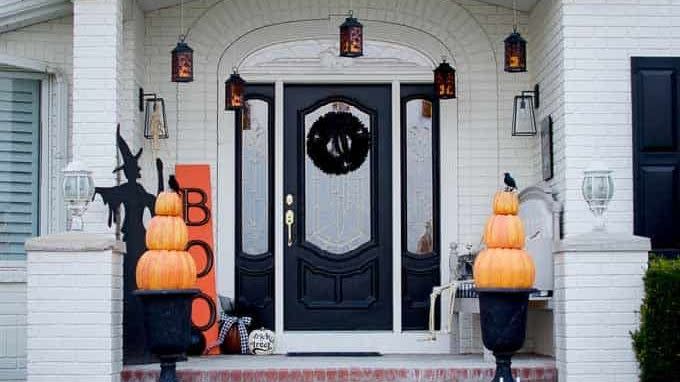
[242,326]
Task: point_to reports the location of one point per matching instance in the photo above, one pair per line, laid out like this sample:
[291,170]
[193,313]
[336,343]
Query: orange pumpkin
[159,269]
[504,231]
[504,268]
[168,204]
[167,232]
[505,203]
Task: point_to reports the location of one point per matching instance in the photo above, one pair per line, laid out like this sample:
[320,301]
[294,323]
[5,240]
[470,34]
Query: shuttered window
[19,164]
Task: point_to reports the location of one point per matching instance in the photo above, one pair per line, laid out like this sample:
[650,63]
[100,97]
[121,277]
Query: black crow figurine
[510,184]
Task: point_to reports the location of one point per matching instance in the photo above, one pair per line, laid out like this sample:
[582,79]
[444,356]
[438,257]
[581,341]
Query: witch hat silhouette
[130,164]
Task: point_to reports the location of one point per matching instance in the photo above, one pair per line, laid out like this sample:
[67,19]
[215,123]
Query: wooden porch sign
[195,183]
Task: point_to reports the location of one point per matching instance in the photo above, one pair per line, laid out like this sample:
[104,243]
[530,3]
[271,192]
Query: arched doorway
[363,285]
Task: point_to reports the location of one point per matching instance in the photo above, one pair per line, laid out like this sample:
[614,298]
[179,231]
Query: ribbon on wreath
[228,321]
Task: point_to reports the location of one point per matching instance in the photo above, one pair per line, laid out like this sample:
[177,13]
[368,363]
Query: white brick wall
[546,66]
[12,321]
[75,308]
[97,69]
[598,292]
[599,39]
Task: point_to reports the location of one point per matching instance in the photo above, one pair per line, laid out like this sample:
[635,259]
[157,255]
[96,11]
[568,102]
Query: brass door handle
[290,220]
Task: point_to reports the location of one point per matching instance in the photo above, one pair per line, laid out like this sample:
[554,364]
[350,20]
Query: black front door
[656,145]
[337,208]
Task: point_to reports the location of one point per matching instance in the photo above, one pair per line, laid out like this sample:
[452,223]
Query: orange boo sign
[195,183]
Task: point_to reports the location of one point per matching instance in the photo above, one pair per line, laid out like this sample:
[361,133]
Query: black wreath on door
[338,143]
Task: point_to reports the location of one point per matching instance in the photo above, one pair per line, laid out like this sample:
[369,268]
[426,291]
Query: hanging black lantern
[445,81]
[351,37]
[182,62]
[233,92]
[515,53]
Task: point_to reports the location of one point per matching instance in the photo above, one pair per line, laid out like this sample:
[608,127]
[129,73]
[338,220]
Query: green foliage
[657,342]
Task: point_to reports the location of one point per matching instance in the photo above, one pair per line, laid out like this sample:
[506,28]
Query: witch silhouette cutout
[135,200]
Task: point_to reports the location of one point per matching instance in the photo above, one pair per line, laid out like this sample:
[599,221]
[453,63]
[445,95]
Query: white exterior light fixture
[78,190]
[598,190]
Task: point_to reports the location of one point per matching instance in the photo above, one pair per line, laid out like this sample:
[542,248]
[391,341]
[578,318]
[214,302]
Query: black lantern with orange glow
[234,88]
[445,81]
[351,37]
[182,62]
[515,53]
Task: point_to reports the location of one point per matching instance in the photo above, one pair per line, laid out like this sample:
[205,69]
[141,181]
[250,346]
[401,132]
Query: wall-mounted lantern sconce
[155,123]
[523,115]
[78,188]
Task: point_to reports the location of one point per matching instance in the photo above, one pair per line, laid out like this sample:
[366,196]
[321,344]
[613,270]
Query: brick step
[259,369]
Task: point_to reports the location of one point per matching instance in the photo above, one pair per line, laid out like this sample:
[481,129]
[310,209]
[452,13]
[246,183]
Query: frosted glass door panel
[419,188]
[337,207]
[255,178]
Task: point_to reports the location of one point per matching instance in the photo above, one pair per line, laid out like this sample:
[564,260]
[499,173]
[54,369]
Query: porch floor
[393,368]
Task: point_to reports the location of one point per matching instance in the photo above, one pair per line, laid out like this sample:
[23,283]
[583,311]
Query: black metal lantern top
[445,81]
[233,92]
[182,62]
[515,53]
[351,37]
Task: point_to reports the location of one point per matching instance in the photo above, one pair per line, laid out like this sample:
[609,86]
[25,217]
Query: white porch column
[74,308]
[598,292]
[97,56]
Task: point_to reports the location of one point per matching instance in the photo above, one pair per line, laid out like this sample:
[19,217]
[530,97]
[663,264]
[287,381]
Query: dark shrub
[657,342]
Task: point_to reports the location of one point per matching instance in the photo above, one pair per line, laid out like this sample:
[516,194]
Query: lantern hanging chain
[181,20]
[514,15]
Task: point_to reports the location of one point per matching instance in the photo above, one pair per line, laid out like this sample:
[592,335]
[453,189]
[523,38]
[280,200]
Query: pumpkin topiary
[167,232]
[168,204]
[504,231]
[504,264]
[505,203]
[504,268]
[162,269]
[167,264]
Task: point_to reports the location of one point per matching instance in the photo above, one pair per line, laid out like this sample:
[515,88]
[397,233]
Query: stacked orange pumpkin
[166,264]
[504,264]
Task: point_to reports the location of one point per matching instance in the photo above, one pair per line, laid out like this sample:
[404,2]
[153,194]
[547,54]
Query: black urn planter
[167,320]
[503,316]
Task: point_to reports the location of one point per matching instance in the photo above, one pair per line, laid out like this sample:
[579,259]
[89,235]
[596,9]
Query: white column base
[598,292]
[75,308]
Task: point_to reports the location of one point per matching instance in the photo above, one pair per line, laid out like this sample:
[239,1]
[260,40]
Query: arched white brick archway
[229,30]
[224,33]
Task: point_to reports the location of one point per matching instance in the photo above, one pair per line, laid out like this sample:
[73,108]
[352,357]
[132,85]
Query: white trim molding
[54,133]
[16,14]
